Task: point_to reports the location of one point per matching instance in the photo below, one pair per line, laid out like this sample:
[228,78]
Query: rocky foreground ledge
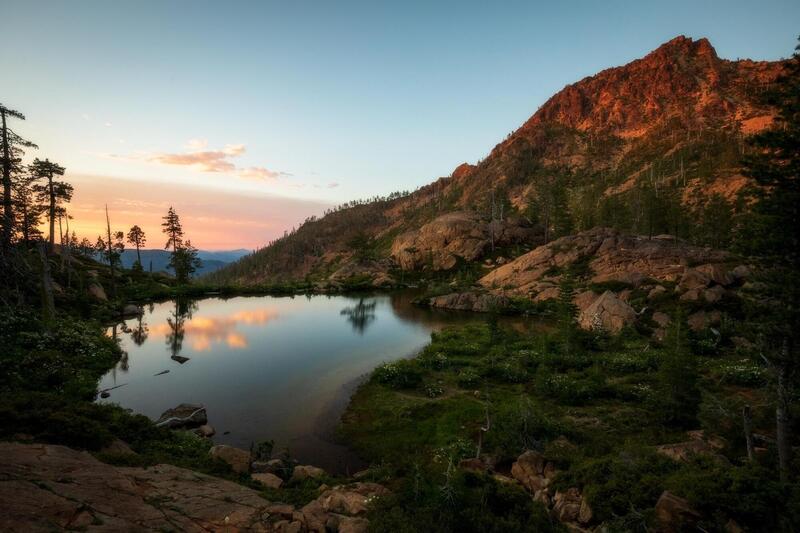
[52,488]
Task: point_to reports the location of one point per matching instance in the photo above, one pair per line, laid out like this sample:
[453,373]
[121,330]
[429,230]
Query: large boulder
[470,301]
[184,416]
[97,291]
[674,514]
[717,273]
[341,508]
[694,278]
[567,505]
[608,312]
[460,235]
[238,459]
[611,255]
[351,499]
[528,469]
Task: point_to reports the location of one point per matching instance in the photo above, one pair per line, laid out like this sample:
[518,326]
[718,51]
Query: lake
[265,367]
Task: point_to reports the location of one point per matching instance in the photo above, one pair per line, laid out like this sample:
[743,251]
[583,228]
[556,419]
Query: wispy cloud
[197,156]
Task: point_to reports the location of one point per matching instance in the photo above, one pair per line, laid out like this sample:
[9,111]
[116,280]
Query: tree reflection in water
[360,315]
[177,323]
[140,333]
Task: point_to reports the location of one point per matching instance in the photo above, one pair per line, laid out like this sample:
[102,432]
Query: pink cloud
[214,160]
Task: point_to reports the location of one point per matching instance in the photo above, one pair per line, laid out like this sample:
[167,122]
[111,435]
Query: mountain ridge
[600,150]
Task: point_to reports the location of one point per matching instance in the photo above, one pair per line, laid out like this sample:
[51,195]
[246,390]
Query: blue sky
[323,101]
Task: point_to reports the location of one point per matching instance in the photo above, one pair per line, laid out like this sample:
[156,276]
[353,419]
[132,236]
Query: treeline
[37,192]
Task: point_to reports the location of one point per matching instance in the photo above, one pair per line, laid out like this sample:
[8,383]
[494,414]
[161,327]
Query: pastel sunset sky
[248,117]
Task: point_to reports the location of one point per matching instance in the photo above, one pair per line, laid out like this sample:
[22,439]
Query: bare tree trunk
[110,255]
[483,430]
[52,212]
[782,422]
[8,216]
[747,422]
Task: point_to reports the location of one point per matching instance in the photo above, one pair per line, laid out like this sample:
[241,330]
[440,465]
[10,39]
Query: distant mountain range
[158,260]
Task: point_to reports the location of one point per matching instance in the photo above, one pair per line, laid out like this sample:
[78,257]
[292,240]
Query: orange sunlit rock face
[203,332]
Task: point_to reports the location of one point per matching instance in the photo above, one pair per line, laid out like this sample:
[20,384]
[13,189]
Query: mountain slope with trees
[650,147]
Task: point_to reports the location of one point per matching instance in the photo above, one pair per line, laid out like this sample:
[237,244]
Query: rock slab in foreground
[47,488]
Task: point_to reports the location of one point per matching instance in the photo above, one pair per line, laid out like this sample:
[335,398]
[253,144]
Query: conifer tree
[10,153]
[28,212]
[53,192]
[173,229]
[771,232]
[137,238]
[679,400]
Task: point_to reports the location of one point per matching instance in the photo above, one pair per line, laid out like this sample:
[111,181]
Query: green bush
[458,502]
[749,494]
[615,484]
[468,378]
[402,374]
[571,389]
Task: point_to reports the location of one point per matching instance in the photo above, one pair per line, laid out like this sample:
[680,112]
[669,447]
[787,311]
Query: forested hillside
[651,147]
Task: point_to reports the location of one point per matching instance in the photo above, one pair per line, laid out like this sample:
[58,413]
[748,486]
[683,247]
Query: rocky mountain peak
[682,78]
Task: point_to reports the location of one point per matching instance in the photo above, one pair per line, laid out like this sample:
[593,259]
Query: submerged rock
[301,472]
[185,415]
[206,431]
[131,310]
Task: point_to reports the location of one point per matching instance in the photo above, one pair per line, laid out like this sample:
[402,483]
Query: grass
[602,398]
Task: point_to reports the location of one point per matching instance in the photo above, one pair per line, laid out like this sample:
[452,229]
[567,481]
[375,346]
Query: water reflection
[182,311]
[139,332]
[360,315]
[267,367]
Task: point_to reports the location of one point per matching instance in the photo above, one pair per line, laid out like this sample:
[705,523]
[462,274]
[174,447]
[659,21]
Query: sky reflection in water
[265,367]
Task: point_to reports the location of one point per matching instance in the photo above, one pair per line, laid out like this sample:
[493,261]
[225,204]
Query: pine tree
[27,210]
[567,313]
[173,229]
[679,400]
[10,154]
[771,232]
[184,262]
[137,238]
[53,192]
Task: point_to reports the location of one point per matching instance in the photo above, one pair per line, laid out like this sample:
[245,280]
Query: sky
[248,117]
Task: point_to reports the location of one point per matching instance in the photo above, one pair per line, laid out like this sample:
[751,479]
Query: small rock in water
[205,430]
[179,358]
[238,459]
[105,394]
[302,472]
[226,433]
[131,310]
[183,416]
[162,373]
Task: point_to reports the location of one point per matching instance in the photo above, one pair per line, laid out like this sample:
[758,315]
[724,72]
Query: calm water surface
[266,367]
